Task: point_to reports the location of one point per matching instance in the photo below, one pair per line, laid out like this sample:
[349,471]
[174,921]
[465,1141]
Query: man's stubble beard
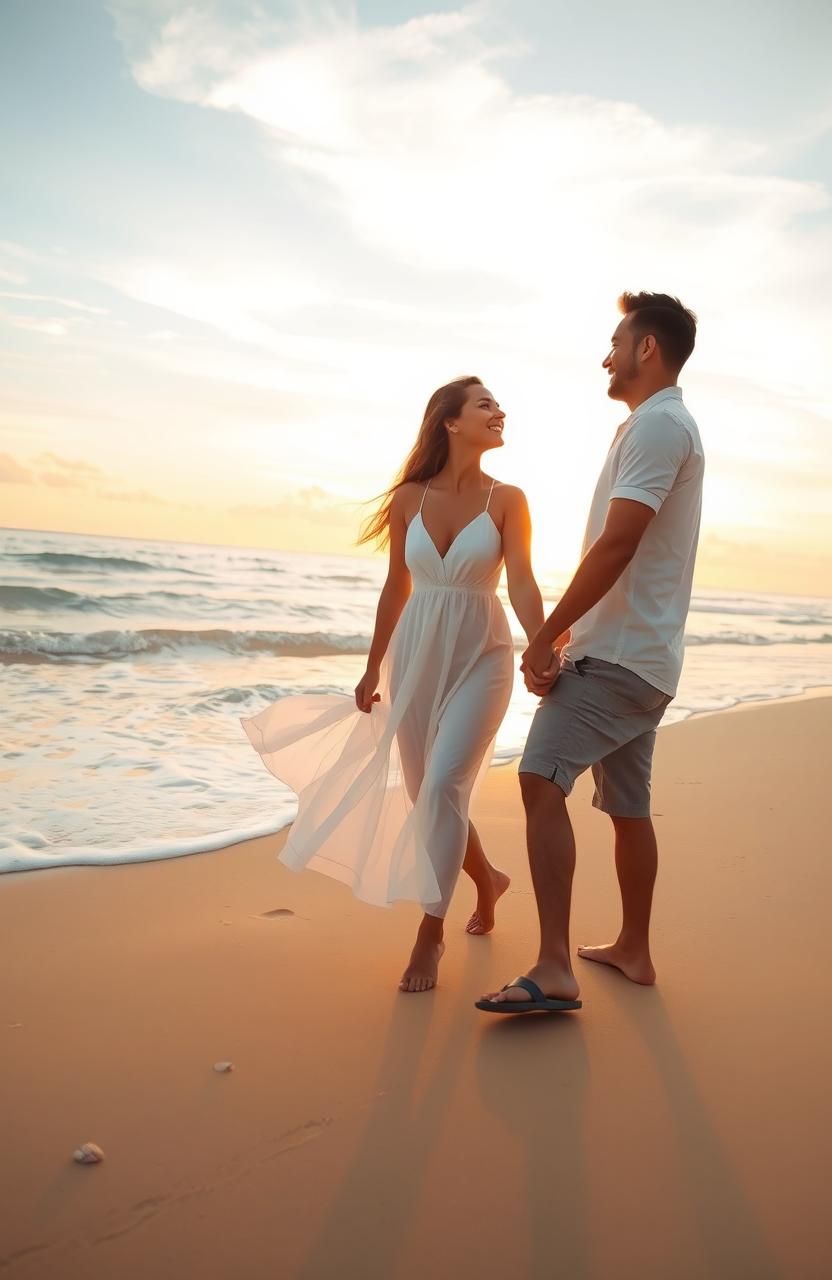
[617,389]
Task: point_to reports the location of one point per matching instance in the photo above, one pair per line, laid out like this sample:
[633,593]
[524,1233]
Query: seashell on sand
[88,1153]
[223,1066]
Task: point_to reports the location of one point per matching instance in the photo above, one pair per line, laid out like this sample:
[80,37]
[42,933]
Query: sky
[241,243]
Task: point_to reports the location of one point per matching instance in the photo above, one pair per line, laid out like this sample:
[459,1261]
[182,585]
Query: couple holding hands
[384,782]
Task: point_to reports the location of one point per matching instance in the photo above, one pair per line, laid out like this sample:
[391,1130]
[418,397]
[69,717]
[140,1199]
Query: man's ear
[649,346]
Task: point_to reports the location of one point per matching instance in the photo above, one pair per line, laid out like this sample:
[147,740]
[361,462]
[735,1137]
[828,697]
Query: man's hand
[540,666]
[539,687]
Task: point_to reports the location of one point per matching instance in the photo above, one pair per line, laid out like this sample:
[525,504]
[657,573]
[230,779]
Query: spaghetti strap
[424,495]
[490,491]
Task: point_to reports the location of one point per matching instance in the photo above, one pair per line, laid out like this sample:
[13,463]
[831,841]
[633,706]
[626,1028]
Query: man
[605,693]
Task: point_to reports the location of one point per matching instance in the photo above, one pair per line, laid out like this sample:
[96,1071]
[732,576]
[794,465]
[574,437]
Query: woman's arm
[523,591]
[392,600]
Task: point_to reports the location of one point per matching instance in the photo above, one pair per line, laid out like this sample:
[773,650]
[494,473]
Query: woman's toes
[416,983]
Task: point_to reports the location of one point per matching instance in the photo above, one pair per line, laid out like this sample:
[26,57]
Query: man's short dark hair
[672,325]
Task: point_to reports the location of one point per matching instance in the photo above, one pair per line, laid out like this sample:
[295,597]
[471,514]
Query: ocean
[126,664]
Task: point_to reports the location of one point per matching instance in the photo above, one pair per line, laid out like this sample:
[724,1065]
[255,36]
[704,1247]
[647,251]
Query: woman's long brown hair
[428,455]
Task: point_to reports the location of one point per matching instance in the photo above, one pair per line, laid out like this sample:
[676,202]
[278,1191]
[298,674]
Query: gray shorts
[598,715]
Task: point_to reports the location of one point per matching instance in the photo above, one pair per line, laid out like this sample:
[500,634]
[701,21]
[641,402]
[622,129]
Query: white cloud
[17,251]
[435,161]
[74,465]
[407,212]
[232,294]
[58,472]
[51,326]
[61,480]
[11,472]
[311,504]
[141,496]
[63,302]
[67,473]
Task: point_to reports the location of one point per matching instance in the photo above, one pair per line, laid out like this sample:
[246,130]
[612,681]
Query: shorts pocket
[649,699]
[628,692]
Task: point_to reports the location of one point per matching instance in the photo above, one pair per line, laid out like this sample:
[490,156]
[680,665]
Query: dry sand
[672,1132]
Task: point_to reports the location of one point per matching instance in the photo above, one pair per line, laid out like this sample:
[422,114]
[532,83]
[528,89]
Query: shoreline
[356,1114]
[211,842]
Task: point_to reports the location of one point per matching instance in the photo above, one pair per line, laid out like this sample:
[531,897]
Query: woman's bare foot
[556,982]
[423,970]
[637,966]
[482,921]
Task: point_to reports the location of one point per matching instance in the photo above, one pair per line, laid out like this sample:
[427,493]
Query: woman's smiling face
[480,421]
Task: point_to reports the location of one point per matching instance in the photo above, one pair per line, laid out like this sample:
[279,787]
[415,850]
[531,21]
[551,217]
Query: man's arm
[652,454]
[599,570]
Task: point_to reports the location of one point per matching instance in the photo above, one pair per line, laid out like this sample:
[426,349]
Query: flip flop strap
[527,985]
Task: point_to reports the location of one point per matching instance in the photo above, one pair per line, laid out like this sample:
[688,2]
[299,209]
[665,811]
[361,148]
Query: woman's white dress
[383,797]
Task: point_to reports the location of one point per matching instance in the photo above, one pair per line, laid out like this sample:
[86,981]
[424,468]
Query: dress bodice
[471,563]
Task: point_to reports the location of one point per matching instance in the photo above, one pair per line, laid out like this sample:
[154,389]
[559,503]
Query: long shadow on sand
[533,1073]
[729,1228]
[369,1221]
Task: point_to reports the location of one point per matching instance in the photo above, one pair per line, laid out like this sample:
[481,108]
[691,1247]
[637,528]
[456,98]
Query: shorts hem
[547,771]
[618,811]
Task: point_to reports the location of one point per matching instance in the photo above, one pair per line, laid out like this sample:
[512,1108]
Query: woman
[384,784]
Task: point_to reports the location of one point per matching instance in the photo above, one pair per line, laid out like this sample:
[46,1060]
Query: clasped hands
[540,665]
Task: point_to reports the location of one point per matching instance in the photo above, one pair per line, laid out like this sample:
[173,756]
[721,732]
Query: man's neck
[639,396]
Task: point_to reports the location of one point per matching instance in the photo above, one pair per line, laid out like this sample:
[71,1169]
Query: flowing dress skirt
[383,797]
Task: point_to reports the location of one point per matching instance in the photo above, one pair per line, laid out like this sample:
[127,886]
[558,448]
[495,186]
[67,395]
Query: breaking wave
[110,646]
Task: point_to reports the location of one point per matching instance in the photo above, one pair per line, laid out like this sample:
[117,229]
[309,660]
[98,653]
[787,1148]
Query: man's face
[621,363]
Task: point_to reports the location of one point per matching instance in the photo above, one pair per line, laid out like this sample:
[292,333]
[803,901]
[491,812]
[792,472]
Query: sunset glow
[241,254]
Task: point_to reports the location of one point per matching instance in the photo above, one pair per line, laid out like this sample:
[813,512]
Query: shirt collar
[666,393]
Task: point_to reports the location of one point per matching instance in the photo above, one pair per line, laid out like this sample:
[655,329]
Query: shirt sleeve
[652,453]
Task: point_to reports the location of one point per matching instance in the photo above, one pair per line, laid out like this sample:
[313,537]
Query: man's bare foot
[422,972]
[482,921]
[554,981]
[638,967]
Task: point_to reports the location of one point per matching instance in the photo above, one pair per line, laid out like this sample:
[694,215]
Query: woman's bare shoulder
[510,495]
[406,492]
[406,498]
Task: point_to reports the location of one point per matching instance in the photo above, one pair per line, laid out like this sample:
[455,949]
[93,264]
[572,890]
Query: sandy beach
[670,1132]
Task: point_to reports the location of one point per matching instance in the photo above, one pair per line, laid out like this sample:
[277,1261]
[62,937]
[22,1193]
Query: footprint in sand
[279,913]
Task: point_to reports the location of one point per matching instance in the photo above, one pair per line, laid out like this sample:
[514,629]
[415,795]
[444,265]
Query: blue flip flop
[538,1002]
